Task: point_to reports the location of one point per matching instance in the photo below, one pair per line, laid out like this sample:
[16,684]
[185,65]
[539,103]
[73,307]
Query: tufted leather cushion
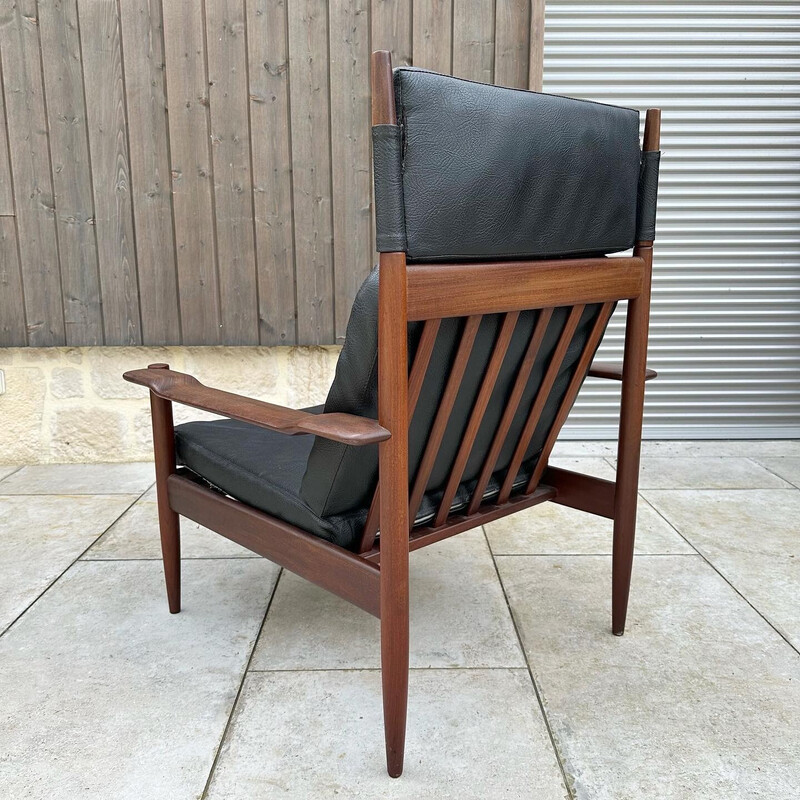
[490,171]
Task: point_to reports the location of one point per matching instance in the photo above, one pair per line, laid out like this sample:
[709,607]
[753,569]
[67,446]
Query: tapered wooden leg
[168,520]
[630,441]
[394,527]
[394,667]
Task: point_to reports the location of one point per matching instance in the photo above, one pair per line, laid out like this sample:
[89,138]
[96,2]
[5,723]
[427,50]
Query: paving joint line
[245,672]
[565,777]
[75,560]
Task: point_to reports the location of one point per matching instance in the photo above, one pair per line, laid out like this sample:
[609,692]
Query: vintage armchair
[496,210]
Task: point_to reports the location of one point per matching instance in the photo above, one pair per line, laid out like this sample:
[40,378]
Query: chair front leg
[168,520]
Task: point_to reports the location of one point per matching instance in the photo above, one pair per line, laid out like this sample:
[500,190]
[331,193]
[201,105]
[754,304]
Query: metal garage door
[725,333]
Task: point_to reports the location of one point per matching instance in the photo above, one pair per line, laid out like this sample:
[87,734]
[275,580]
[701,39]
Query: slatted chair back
[501,205]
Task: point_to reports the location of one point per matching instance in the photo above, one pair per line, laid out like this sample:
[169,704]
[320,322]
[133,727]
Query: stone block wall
[71,404]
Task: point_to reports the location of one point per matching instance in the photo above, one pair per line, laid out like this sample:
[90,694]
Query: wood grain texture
[233,185]
[512,43]
[145,89]
[72,182]
[391,29]
[12,310]
[433,34]
[108,143]
[473,40]
[493,287]
[198,171]
[187,102]
[311,160]
[30,167]
[350,150]
[536,46]
[270,142]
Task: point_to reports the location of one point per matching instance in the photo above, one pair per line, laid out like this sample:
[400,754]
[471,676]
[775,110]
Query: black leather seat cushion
[261,468]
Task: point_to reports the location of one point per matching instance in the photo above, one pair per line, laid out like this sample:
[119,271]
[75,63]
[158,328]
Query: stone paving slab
[459,617]
[106,695]
[472,735]
[41,536]
[552,529]
[700,699]
[752,538]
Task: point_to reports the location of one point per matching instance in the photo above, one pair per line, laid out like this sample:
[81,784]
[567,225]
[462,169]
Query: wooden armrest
[187,390]
[605,369]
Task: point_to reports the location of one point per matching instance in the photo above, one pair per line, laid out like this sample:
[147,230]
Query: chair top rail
[458,290]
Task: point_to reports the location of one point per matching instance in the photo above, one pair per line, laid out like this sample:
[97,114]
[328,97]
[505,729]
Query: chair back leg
[629,448]
[394,516]
[168,520]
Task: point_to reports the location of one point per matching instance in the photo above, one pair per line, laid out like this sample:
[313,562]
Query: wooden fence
[198,171]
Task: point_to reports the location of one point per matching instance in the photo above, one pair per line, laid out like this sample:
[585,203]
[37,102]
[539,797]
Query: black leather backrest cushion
[490,171]
[340,479]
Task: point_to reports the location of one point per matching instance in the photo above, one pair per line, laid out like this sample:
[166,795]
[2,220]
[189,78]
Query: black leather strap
[390,225]
[647,197]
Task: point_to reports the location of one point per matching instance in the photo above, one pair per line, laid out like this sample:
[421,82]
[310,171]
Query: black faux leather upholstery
[647,197]
[340,478]
[390,229]
[495,172]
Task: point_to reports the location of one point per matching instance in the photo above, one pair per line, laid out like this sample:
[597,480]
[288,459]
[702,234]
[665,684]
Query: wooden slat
[473,40]
[575,383]
[145,92]
[323,563]
[420,367]
[30,165]
[523,373]
[458,523]
[311,161]
[108,147]
[391,29]
[226,44]
[433,31]
[69,149]
[272,169]
[536,46]
[443,414]
[512,32]
[542,396]
[495,287]
[350,149]
[187,99]
[476,417]
[12,309]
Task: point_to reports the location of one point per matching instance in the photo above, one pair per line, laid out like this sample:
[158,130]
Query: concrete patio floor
[267,687]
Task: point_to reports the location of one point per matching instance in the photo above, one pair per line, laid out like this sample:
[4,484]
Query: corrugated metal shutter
[725,334]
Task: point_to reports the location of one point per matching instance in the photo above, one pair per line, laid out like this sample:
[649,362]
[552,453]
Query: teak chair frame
[376,578]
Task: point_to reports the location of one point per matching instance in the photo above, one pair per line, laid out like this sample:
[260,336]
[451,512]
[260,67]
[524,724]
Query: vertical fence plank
[143,52]
[310,120]
[473,40]
[391,29]
[233,187]
[30,166]
[108,147]
[350,148]
[187,102]
[536,46]
[69,149]
[12,311]
[272,169]
[512,31]
[433,34]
